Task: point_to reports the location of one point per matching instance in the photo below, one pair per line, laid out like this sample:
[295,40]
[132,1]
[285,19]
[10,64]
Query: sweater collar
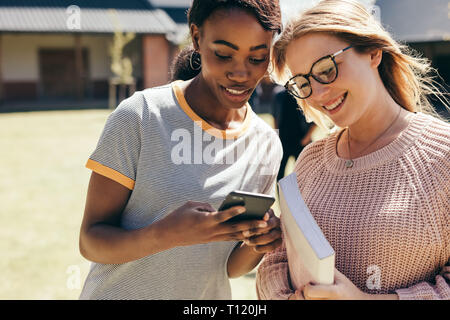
[388,153]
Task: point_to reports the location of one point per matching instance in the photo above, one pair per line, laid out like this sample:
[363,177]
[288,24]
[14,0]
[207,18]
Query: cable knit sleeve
[440,289]
[426,291]
[272,277]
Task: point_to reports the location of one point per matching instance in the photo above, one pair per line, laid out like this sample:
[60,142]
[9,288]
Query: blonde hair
[406,76]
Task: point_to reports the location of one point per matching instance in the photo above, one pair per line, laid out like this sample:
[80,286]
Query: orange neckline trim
[218,133]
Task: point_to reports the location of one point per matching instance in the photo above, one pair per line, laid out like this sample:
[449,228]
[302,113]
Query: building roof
[171,3]
[179,15]
[416,20]
[95,16]
[177,10]
[99,4]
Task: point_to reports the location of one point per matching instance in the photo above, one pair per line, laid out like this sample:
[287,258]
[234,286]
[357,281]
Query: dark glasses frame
[291,83]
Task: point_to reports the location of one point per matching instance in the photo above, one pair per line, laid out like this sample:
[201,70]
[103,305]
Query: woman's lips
[336,106]
[236,95]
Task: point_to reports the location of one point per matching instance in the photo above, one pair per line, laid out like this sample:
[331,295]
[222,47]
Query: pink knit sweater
[387,217]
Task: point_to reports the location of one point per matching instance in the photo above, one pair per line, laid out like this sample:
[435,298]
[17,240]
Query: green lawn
[42,194]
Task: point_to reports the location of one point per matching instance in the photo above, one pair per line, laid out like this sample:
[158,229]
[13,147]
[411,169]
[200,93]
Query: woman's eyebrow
[261,46]
[226,43]
[235,47]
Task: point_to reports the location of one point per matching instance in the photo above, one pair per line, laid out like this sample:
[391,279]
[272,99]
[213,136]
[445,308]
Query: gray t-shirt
[155,145]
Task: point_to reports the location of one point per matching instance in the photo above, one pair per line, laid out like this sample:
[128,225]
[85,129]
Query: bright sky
[171,3]
[289,8]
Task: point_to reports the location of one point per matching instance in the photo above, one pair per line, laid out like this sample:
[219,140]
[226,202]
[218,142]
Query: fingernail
[262,224]
[241,210]
[246,233]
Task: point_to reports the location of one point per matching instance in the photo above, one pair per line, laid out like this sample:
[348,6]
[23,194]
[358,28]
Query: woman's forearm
[242,260]
[107,244]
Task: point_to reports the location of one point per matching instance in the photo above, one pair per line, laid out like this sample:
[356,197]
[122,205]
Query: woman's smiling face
[235,50]
[346,99]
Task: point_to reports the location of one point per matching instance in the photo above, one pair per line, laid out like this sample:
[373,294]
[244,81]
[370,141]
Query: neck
[378,117]
[376,128]
[204,103]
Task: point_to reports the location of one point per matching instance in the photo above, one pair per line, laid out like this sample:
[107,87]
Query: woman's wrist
[242,260]
[157,233]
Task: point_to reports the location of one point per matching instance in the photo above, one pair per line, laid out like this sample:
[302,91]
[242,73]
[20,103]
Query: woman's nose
[319,90]
[239,73]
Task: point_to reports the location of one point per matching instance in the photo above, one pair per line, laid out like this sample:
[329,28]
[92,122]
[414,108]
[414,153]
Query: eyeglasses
[324,71]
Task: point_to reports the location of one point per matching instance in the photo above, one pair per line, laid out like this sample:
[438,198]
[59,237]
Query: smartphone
[256,204]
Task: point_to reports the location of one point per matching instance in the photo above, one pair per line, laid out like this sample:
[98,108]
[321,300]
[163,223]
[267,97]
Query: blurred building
[177,10]
[425,26]
[59,49]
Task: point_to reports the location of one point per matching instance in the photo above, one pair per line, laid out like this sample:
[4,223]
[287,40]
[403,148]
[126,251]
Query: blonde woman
[379,185]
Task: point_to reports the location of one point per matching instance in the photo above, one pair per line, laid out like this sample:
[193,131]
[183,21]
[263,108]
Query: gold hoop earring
[195,61]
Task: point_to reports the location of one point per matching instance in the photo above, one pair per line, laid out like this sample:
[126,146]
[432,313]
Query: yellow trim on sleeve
[223,134]
[110,173]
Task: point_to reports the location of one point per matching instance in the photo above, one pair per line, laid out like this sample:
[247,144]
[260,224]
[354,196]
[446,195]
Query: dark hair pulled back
[267,12]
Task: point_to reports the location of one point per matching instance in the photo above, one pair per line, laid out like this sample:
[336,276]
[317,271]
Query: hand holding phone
[256,204]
